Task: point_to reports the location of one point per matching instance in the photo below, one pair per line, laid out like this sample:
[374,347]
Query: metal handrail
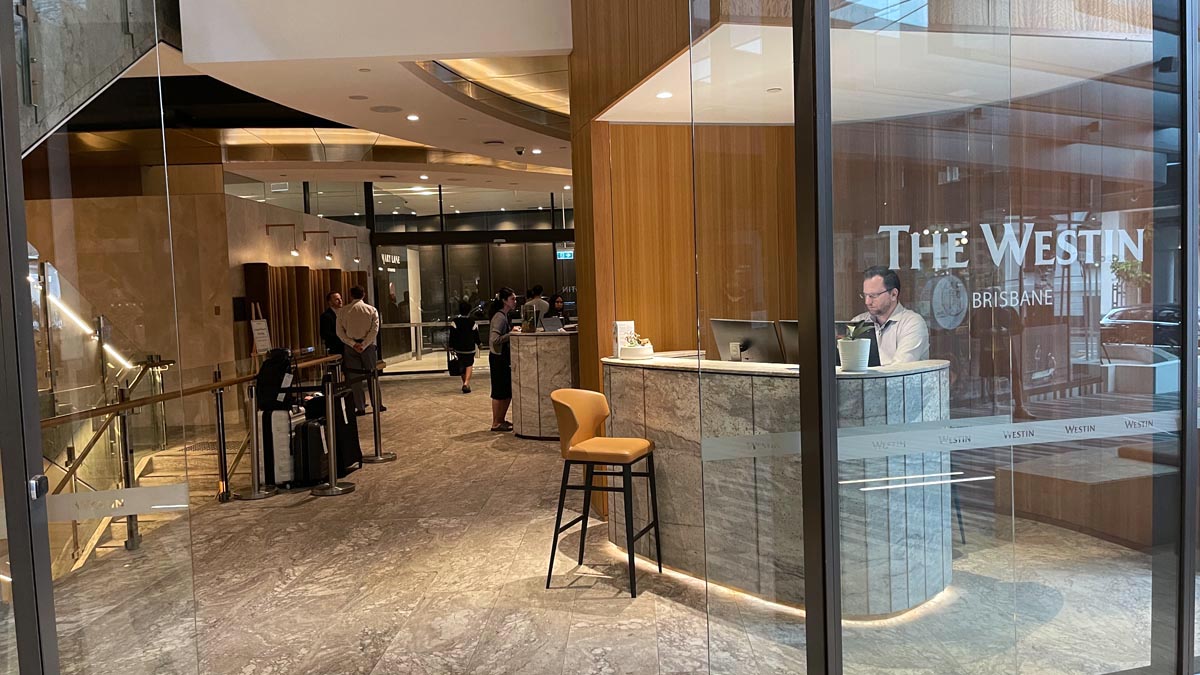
[96,435]
[51,422]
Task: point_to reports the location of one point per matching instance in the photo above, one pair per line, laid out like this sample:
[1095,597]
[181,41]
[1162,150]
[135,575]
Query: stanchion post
[223,494]
[257,490]
[333,487]
[380,456]
[133,538]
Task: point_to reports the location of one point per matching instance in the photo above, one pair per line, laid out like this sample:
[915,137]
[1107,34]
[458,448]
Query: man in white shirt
[902,334]
[357,328]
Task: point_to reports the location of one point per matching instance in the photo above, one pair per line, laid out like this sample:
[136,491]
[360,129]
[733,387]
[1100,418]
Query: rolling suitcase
[275,438]
[348,447]
[309,458]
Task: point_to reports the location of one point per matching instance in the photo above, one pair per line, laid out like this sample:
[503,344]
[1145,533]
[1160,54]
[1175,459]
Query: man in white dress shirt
[358,328]
[902,334]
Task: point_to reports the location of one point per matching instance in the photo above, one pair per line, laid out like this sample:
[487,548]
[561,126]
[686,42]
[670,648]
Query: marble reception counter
[541,363]
[729,491]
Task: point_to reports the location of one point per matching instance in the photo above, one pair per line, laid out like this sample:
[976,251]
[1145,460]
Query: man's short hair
[358,293]
[330,294]
[537,290]
[891,280]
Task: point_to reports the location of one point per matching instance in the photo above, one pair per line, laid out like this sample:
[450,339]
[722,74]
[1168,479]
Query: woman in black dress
[499,358]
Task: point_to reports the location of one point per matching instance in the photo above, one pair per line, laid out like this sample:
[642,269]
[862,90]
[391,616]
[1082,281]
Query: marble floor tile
[437,564]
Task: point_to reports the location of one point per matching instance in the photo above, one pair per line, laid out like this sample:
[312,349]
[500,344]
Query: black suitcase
[349,449]
[348,446]
[309,459]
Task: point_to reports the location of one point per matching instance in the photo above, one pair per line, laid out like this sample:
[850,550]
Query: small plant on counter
[634,340]
[856,330]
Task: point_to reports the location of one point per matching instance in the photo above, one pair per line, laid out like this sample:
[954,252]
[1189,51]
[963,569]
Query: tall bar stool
[581,415]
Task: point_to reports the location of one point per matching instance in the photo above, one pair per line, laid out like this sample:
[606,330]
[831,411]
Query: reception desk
[728,468]
[541,363]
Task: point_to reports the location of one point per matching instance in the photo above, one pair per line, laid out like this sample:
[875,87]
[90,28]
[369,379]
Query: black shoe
[360,413]
[466,389]
[383,408]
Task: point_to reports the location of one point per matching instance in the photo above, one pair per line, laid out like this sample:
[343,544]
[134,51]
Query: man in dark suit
[333,344]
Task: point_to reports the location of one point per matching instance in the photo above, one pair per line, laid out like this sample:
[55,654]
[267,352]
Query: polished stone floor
[436,564]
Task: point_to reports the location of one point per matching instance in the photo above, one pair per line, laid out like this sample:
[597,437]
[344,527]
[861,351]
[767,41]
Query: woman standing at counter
[499,358]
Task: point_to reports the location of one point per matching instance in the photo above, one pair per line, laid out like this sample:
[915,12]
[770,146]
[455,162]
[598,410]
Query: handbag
[454,366]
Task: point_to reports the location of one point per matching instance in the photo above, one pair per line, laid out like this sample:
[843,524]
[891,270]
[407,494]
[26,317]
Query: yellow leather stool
[581,416]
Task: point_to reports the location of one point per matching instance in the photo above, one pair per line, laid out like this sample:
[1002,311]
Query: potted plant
[634,346]
[853,348]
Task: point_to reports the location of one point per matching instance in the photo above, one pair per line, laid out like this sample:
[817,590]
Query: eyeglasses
[872,296]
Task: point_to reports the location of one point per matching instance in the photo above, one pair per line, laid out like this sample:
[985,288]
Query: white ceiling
[740,74]
[302,55]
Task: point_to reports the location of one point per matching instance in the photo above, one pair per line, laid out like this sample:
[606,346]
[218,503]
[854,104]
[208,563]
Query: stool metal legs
[626,474]
[654,511]
[587,506]
[627,489]
[562,497]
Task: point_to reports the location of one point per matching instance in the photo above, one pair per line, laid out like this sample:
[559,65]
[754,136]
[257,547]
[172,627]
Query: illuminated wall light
[328,255]
[295,253]
[117,357]
[357,259]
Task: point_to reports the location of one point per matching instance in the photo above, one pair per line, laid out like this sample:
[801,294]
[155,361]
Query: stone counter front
[541,363]
[729,489]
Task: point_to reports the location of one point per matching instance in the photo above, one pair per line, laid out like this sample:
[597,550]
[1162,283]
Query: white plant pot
[855,354]
[640,352]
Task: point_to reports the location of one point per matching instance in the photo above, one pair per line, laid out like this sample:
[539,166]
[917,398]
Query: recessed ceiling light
[501,208]
[386,176]
[386,108]
[356,213]
[379,202]
[364,70]
[413,117]
[494,142]
[319,192]
[395,213]
[414,213]
[358,97]
[566,187]
[536,151]
[774,90]
[320,215]
[663,94]
[357,259]
[424,177]
[539,208]
[260,200]
[457,211]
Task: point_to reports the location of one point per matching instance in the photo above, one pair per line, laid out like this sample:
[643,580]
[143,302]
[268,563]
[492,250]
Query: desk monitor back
[757,341]
[873,360]
[789,337]
[552,324]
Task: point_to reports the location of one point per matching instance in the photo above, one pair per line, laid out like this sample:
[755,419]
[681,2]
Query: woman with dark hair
[558,307]
[499,358]
[464,339]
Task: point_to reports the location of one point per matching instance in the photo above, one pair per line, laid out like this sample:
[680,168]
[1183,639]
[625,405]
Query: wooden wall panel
[745,224]
[653,232]
[617,44]
[593,249]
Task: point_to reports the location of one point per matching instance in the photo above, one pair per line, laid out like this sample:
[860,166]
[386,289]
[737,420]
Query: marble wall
[729,484]
[541,363]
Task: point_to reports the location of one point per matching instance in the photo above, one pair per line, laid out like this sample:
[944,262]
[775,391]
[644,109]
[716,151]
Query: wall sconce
[295,251]
[356,258]
[328,253]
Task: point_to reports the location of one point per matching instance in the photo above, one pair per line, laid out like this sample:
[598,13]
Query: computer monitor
[789,337]
[552,324]
[756,341]
[843,327]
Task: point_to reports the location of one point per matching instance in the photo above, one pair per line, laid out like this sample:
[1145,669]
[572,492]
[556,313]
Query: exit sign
[566,255]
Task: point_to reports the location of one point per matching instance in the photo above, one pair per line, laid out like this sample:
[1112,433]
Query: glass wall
[1007,234]
[114,270]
